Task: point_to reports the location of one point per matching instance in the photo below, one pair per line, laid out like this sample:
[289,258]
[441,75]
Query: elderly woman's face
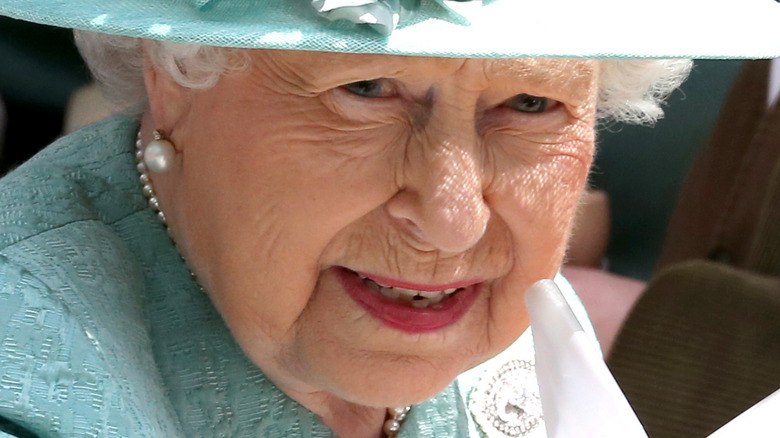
[368,225]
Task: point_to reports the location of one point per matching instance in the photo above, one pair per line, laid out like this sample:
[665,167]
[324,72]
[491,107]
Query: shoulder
[75,352]
[72,366]
[75,179]
[60,214]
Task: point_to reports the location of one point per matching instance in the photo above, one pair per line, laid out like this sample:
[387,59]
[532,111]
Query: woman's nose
[441,203]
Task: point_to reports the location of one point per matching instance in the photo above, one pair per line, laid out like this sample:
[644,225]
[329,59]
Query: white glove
[580,398]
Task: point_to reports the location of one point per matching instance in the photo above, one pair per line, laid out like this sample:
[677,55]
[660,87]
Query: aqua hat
[451,28]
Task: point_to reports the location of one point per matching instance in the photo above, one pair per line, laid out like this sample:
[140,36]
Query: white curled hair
[117,63]
[630,90]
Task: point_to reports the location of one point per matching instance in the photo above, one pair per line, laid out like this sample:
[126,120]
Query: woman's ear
[168,100]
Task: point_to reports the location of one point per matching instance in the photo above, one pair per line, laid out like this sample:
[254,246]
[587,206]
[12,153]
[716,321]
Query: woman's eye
[371,88]
[527,103]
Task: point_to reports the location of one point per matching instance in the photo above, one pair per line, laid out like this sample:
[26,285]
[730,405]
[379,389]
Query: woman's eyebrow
[319,73]
[556,78]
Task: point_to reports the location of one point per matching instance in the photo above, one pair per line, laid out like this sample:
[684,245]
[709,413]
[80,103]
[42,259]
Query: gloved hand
[581,399]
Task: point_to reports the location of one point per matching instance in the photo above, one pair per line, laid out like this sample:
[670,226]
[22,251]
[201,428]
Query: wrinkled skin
[283,172]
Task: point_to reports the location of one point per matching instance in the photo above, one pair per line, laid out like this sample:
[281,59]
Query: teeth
[418,299]
[409,292]
[421,304]
[374,286]
[431,294]
[407,298]
[436,299]
[390,292]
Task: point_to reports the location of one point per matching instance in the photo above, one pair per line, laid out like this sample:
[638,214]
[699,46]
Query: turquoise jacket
[104,333]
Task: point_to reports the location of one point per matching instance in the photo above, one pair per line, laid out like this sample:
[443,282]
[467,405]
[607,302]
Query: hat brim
[505,28]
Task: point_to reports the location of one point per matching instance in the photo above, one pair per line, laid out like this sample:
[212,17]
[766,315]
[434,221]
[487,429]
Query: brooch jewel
[506,402]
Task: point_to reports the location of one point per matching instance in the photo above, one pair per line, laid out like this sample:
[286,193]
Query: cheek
[538,197]
[543,174]
[294,171]
[266,198]
[548,190]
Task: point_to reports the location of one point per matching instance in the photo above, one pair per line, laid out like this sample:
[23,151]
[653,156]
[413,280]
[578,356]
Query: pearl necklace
[146,182]
[394,417]
[393,420]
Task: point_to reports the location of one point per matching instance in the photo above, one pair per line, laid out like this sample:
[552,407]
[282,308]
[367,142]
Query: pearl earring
[159,154]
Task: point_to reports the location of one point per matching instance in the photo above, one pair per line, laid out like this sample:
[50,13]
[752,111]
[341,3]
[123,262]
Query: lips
[410,307]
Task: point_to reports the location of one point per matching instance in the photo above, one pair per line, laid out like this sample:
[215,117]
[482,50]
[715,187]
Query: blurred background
[642,169]
[43,83]
[39,70]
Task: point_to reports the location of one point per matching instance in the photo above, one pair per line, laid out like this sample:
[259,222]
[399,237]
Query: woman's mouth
[419,299]
[410,307]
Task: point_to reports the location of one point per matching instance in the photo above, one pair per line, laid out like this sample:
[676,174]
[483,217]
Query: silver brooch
[506,402]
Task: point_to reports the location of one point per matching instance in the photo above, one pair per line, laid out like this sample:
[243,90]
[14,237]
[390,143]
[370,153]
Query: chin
[414,384]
